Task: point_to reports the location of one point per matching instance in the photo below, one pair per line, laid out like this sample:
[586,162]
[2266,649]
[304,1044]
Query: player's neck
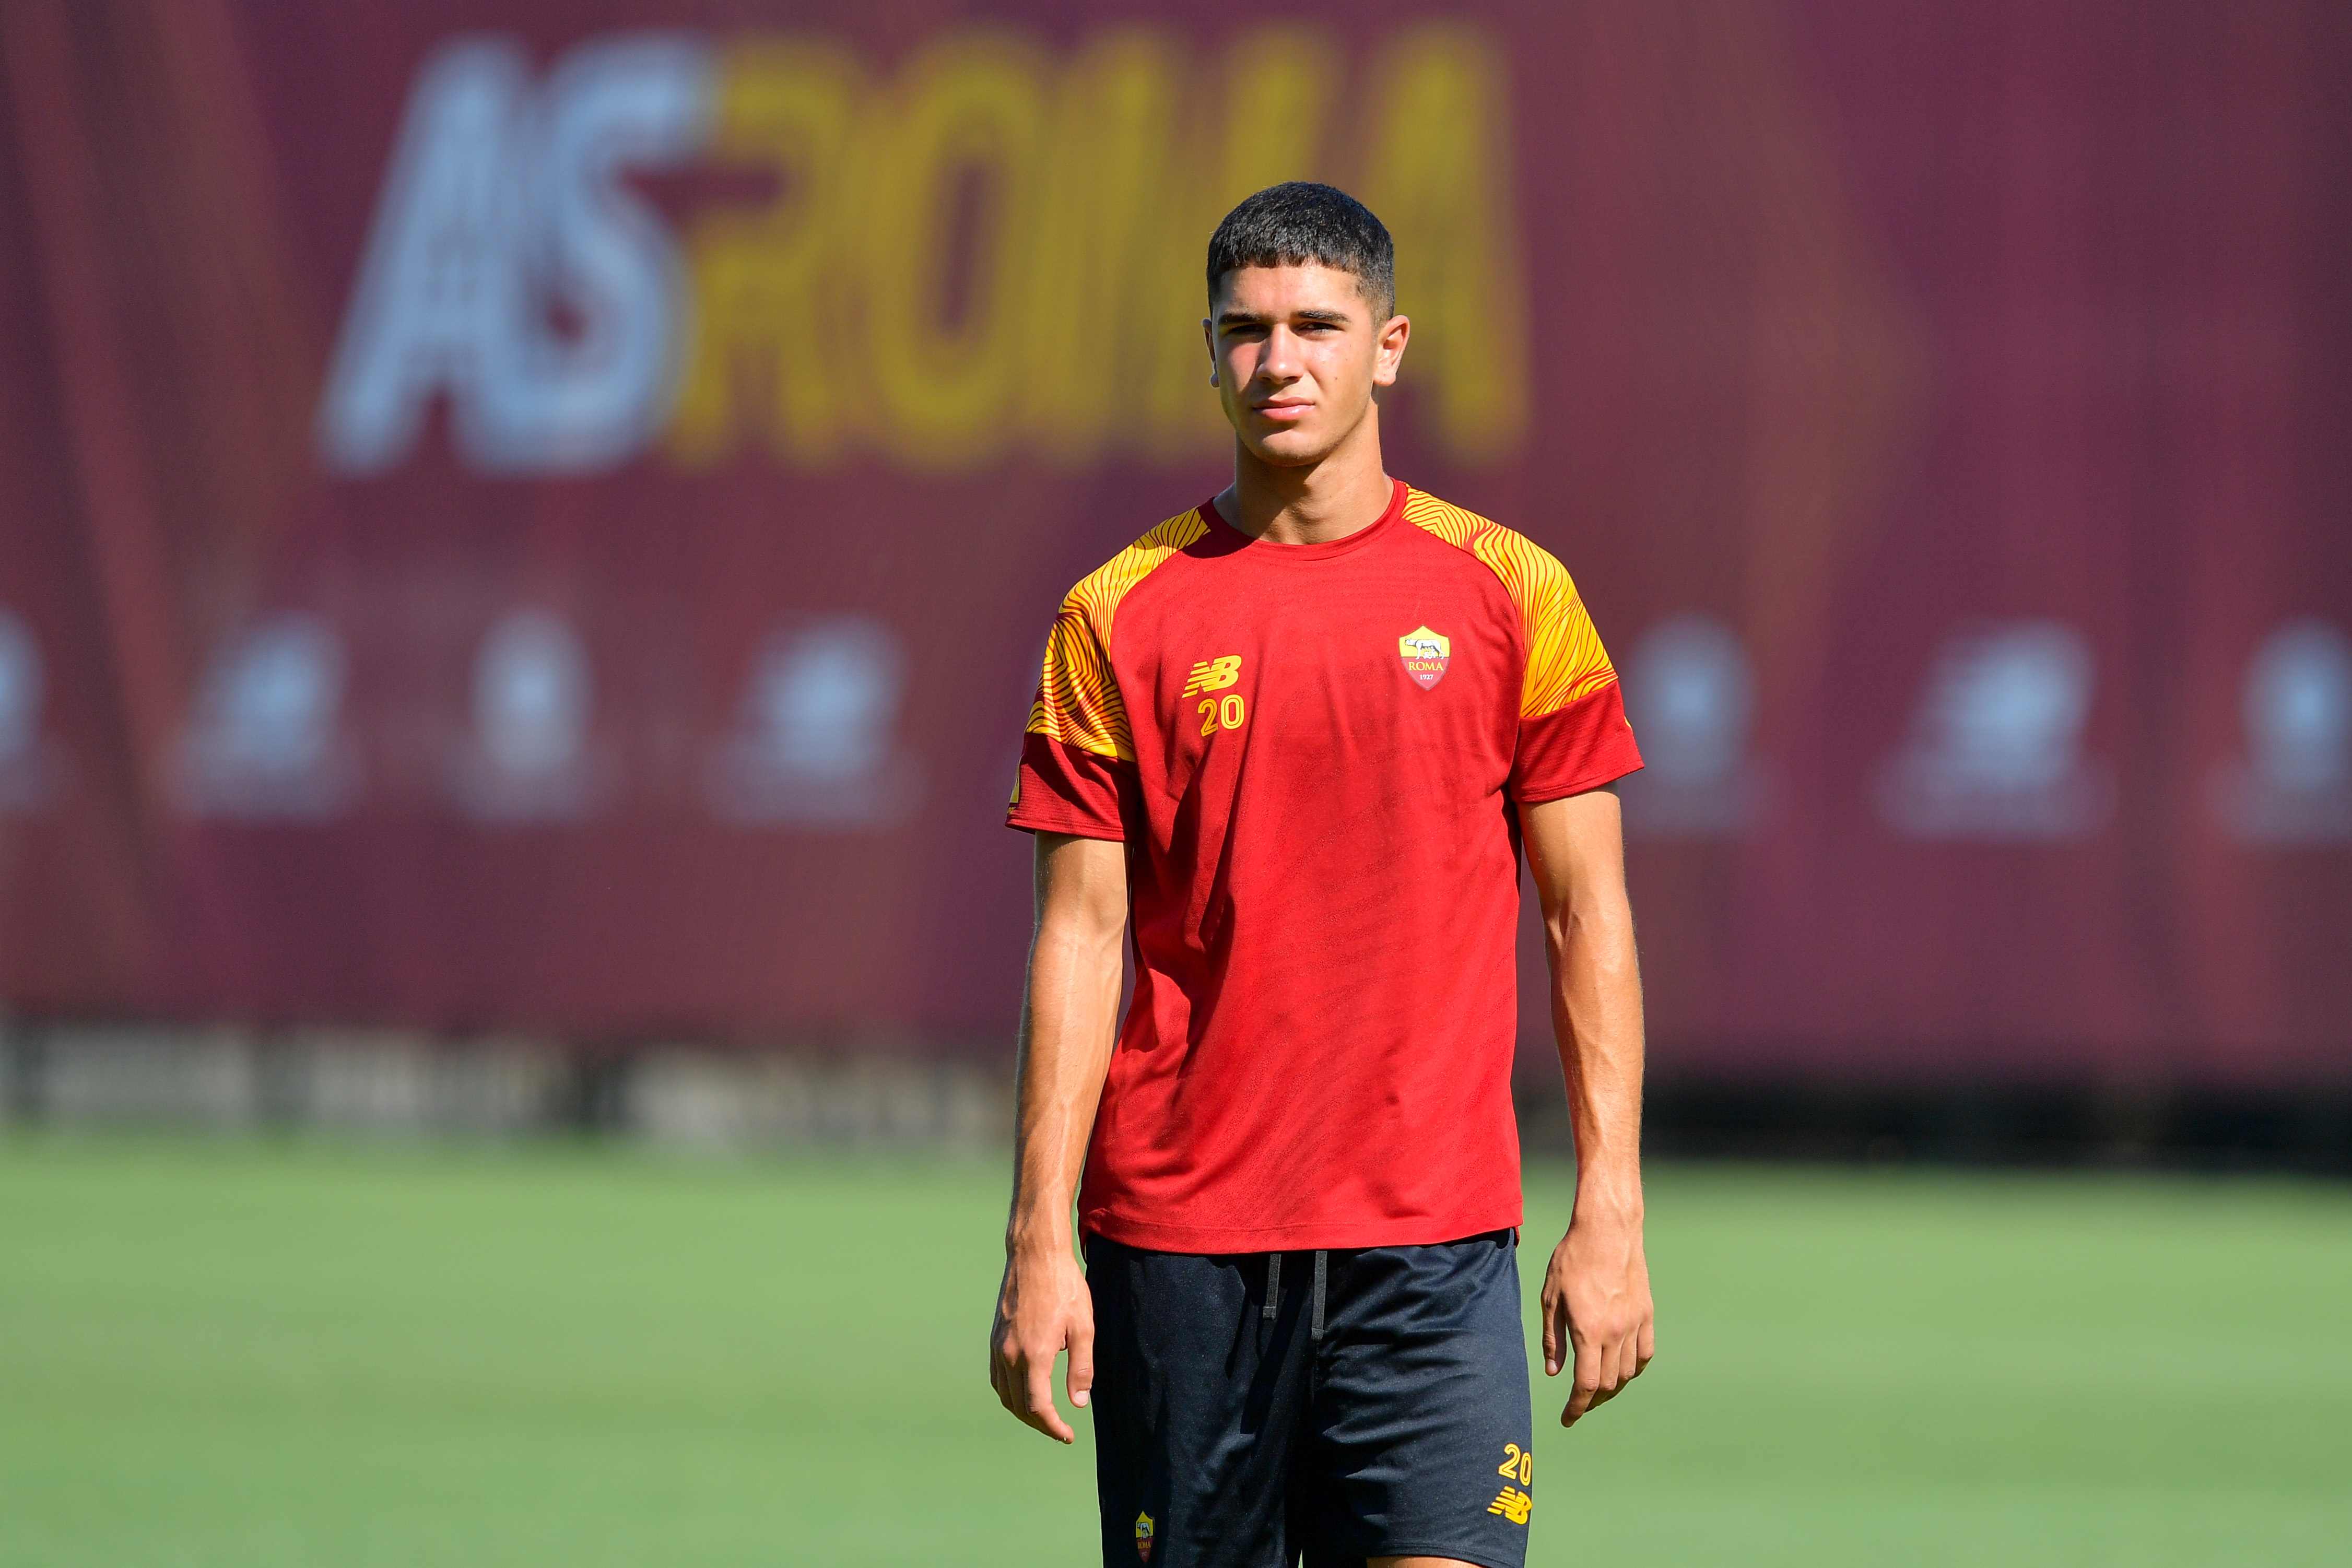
[1345,492]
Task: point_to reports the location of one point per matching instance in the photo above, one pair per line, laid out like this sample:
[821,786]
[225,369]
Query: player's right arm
[1574,742]
[1069,1013]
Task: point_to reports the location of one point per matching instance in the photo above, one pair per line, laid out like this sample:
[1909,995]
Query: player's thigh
[1421,1444]
[1198,1400]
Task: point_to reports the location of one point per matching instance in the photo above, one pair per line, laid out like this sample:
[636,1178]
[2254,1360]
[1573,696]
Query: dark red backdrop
[1941,407]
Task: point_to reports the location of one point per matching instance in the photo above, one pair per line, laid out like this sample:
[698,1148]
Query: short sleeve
[1077,759]
[1573,733]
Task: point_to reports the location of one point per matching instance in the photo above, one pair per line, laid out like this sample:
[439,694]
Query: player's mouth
[1287,410]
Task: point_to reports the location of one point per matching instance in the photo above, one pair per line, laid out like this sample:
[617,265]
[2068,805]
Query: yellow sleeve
[1078,702]
[1077,696]
[1565,658]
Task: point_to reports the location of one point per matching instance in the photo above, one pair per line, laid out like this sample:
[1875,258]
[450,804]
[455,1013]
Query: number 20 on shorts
[1227,712]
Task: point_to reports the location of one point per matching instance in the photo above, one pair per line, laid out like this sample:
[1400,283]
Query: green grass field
[253,1356]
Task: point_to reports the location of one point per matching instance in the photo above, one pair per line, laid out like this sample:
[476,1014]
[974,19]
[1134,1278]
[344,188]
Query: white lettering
[1996,750]
[28,764]
[600,392]
[532,757]
[1691,695]
[437,303]
[265,739]
[816,742]
[509,267]
[2295,783]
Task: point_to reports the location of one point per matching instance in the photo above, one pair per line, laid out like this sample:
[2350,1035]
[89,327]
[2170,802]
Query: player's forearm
[1576,849]
[1597,1017]
[1067,1026]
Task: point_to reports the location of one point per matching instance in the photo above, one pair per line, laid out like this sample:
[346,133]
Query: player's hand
[1596,1304]
[1043,1309]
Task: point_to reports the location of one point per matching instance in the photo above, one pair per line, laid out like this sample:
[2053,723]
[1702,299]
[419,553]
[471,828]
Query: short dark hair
[1298,221]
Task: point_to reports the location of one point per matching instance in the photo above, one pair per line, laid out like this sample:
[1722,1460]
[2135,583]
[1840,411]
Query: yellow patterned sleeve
[1077,696]
[1565,658]
[1078,700]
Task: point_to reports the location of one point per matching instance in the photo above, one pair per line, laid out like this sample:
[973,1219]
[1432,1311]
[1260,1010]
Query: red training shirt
[1312,753]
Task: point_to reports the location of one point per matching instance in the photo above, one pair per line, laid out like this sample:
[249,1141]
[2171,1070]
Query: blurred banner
[544,516]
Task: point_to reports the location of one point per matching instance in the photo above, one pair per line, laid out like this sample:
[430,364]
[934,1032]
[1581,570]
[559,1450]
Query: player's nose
[1282,360]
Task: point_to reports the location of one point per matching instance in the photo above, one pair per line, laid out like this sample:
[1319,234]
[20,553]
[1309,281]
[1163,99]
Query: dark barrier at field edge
[754,1099]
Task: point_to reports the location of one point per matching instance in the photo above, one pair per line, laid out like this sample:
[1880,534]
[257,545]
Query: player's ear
[1389,351]
[1209,338]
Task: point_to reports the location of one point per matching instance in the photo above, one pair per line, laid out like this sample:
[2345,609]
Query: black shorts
[1253,1408]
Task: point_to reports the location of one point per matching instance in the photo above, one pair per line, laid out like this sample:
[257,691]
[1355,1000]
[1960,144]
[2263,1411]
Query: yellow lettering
[1110,166]
[768,285]
[961,136]
[1265,125]
[985,252]
[1437,169]
[1213,674]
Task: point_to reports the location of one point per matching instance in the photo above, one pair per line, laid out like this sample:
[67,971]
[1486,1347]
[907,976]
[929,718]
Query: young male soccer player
[1299,735]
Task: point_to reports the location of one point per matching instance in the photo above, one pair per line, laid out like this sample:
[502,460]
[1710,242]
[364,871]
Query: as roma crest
[1424,654]
[1143,1536]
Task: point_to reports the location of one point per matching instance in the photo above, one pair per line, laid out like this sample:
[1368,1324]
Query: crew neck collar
[1266,550]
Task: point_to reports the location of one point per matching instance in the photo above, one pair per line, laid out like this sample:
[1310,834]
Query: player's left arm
[1596,1294]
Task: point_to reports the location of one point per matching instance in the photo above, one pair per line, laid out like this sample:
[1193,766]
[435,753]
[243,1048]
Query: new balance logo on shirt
[1214,675]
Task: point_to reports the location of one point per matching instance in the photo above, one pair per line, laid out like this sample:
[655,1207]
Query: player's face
[1297,354]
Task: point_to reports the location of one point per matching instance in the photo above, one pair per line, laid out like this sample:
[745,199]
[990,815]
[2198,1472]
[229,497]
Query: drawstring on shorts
[1273,1291]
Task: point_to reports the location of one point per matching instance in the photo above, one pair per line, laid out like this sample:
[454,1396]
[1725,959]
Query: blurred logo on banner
[816,737]
[916,243]
[2294,784]
[30,767]
[503,204]
[533,756]
[1691,695]
[265,739]
[1996,751]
